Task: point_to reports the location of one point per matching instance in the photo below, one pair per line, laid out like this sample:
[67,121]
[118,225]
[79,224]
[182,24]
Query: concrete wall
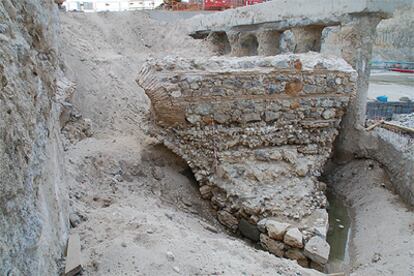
[396,152]
[33,197]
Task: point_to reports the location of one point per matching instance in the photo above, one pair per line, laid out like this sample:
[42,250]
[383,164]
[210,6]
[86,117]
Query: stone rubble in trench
[256,131]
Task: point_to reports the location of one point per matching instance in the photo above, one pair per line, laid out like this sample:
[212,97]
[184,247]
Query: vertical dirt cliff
[33,203]
[394,41]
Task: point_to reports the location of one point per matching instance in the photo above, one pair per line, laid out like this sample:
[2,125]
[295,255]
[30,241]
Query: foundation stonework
[256,132]
[351,27]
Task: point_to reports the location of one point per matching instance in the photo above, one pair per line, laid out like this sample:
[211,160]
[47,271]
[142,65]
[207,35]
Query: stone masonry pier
[262,30]
[256,131]
[257,30]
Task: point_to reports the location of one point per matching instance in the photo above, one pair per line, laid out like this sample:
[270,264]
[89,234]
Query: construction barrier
[379,110]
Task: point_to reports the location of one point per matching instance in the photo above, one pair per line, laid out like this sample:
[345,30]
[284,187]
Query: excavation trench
[339,233]
[178,186]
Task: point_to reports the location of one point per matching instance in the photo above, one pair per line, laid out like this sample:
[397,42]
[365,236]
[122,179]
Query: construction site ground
[136,206]
[394,85]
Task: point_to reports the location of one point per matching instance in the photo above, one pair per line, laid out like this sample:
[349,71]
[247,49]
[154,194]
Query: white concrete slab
[288,13]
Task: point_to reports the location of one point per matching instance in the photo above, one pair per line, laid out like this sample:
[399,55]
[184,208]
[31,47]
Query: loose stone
[317,249]
[276,230]
[275,247]
[294,238]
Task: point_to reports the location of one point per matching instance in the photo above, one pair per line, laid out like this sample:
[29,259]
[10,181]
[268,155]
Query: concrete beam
[285,14]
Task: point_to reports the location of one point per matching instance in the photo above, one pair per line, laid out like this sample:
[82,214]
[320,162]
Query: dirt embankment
[134,206]
[395,38]
[33,196]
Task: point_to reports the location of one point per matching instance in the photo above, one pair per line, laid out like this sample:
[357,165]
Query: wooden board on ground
[73,256]
[399,128]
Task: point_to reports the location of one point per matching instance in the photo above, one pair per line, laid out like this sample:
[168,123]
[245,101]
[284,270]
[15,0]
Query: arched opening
[249,44]
[308,38]
[219,43]
[176,184]
[269,42]
[287,42]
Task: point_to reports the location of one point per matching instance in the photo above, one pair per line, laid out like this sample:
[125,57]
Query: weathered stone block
[275,247]
[249,230]
[261,225]
[317,249]
[297,254]
[228,220]
[294,238]
[276,230]
[205,191]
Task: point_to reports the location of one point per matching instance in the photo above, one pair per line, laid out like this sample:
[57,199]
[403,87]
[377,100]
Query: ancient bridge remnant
[265,23]
[256,132]
[256,30]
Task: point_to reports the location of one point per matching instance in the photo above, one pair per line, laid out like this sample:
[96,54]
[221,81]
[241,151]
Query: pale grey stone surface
[276,230]
[294,238]
[317,249]
[33,199]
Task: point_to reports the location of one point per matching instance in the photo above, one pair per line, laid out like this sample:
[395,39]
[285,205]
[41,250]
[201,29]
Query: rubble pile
[406,120]
[256,131]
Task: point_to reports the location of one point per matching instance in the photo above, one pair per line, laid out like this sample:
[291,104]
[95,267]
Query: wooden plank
[73,256]
[374,125]
[391,126]
[400,128]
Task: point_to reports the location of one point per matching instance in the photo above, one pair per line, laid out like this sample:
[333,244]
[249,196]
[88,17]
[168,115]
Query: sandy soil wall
[396,153]
[395,37]
[32,195]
